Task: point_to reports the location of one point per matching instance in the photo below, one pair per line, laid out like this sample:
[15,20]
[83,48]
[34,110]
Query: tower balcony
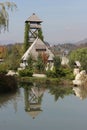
[35,26]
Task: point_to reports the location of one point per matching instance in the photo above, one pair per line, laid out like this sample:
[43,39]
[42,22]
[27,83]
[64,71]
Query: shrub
[25,72]
[68,73]
[7,83]
[39,65]
[51,74]
[3,69]
[61,72]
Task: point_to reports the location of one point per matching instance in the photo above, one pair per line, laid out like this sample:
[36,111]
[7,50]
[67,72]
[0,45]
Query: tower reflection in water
[33,98]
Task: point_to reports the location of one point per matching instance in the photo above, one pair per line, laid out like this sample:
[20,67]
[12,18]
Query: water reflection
[8,98]
[80,91]
[60,91]
[33,98]
[38,101]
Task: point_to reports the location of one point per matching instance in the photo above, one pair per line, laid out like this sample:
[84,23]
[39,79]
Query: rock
[11,72]
[80,78]
[76,71]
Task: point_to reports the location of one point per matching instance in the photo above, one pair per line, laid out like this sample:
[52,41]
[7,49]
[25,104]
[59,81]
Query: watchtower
[34,25]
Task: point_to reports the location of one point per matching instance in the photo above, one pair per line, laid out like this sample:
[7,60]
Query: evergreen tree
[26,36]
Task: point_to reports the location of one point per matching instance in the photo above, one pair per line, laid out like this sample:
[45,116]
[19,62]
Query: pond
[44,107]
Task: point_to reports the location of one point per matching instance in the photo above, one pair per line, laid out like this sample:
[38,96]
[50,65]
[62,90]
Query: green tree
[30,62]
[4,16]
[26,36]
[57,65]
[57,62]
[40,66]
[40,34]
[79,55]
[13,58]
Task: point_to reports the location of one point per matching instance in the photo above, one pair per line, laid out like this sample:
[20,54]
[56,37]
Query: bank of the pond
[45,80]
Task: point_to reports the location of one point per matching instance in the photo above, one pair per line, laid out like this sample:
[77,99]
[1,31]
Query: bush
[51,74]
[68,73]
[7,83]
[3,69]
[25,72]
[61,72]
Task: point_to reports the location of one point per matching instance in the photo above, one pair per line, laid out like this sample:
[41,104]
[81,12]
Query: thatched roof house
[37,47]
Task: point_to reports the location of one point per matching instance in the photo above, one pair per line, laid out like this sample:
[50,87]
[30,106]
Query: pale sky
[63,20]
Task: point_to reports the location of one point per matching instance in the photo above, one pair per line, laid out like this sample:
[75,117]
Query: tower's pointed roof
[33,18]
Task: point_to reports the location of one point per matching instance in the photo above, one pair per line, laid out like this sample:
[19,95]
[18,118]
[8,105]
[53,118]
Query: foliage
[56,72]
[60,91]
[4,17]
[79,55]
[26,36]
[68,73]
[40,66]
[40,34]
[60,71]
[57,62]
[51,74]
[30,62]
[7,83]
[3,68]
[13,58]
[25,72]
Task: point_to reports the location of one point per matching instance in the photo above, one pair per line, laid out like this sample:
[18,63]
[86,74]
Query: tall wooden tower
[34,25]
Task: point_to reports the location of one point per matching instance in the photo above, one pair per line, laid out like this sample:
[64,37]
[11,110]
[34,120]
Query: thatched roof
[36,46]
[28,52]
[34,113]
[40,45]
[33,18]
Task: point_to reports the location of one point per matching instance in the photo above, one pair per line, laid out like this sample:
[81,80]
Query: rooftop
[33,18]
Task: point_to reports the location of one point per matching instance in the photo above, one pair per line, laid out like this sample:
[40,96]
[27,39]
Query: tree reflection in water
[11,97]
[60,91]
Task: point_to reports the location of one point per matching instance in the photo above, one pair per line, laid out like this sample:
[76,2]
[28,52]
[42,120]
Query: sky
[63,20]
